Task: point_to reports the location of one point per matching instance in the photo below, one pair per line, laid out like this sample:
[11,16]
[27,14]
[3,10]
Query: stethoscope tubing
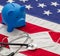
[19,44]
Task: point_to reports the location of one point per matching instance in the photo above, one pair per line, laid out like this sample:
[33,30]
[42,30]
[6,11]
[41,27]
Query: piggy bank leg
[3,22]
[10,29]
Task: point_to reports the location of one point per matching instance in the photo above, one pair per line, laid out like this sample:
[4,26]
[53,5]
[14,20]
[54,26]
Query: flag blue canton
[45,9]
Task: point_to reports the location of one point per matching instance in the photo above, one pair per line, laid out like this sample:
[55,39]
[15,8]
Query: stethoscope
[28,46]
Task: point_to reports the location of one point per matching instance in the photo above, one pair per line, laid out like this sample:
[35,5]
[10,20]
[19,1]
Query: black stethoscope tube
[3,43]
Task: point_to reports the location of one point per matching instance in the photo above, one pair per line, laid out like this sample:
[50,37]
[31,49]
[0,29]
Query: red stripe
[5,40]
[30,28]
[39,52]
[55,36]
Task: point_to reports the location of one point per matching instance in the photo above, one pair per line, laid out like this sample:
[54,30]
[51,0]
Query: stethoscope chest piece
[32,46]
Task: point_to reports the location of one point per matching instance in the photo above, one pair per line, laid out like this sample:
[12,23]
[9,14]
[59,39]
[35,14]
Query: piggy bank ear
[10,13]
[22,8]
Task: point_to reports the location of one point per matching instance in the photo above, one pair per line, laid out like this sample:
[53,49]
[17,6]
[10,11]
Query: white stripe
[43,23]
[6,51]
[19,54]
[43,40]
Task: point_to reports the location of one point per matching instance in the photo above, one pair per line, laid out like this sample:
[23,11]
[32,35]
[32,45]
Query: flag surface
[42,25]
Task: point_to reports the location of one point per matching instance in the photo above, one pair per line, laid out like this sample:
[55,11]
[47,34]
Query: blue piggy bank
[13,15]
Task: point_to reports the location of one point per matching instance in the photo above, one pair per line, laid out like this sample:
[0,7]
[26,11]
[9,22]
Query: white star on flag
[58,11]
[36,0]
[54,4]
[28,7]
[47,12]
[41,5]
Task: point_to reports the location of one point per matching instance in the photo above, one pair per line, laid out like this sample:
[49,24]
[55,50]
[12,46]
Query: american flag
[42,25]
